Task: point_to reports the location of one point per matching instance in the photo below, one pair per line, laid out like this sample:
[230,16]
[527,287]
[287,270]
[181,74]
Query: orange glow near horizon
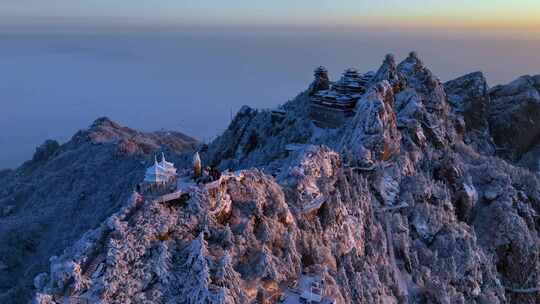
[484,15]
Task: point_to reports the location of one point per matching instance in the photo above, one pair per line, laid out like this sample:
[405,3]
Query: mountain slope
[50,201]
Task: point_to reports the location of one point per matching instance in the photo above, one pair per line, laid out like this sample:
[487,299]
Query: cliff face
[414,200]
[516,107]
[65,190]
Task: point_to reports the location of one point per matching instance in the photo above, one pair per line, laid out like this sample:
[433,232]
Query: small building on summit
[160,175]
[330,107]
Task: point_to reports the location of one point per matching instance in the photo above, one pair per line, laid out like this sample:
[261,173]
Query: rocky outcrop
[256,137]
[469,98]
[65,190]
[514,116]
[374,128]
[389,72]
[45,151]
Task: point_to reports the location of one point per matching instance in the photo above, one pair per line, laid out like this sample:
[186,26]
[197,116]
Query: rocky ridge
[420,198]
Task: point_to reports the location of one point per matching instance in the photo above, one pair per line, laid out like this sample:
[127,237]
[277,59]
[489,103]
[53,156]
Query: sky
[521,15]
[146,63]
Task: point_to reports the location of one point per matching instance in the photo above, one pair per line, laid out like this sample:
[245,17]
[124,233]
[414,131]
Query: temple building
[160,174]
[330,107]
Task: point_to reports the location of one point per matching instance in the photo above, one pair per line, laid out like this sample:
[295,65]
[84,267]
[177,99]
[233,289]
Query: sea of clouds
[53,84]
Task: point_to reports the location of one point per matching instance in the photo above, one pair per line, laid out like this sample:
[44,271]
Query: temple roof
[160,171]
[320,70]
[165,164]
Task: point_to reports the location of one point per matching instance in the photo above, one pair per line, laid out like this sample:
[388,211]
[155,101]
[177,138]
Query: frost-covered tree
[267,265]
[263,232]
[223,296]
[227,239]
[196,276]
[196,203]
[292,257]
[162,263]
[227,277]
[205,225]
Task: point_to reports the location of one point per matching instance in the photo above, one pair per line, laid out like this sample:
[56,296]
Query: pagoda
[160,175]
[329,108]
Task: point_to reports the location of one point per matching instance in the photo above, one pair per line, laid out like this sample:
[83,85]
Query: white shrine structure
[160,175]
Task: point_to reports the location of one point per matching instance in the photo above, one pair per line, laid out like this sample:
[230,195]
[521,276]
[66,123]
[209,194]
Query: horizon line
[66,24]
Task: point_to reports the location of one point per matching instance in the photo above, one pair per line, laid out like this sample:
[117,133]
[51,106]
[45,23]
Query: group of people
[208,175]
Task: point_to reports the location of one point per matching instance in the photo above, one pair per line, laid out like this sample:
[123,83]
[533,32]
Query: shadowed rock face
[405,203]
[50,201]
[514,116]
[469,96]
